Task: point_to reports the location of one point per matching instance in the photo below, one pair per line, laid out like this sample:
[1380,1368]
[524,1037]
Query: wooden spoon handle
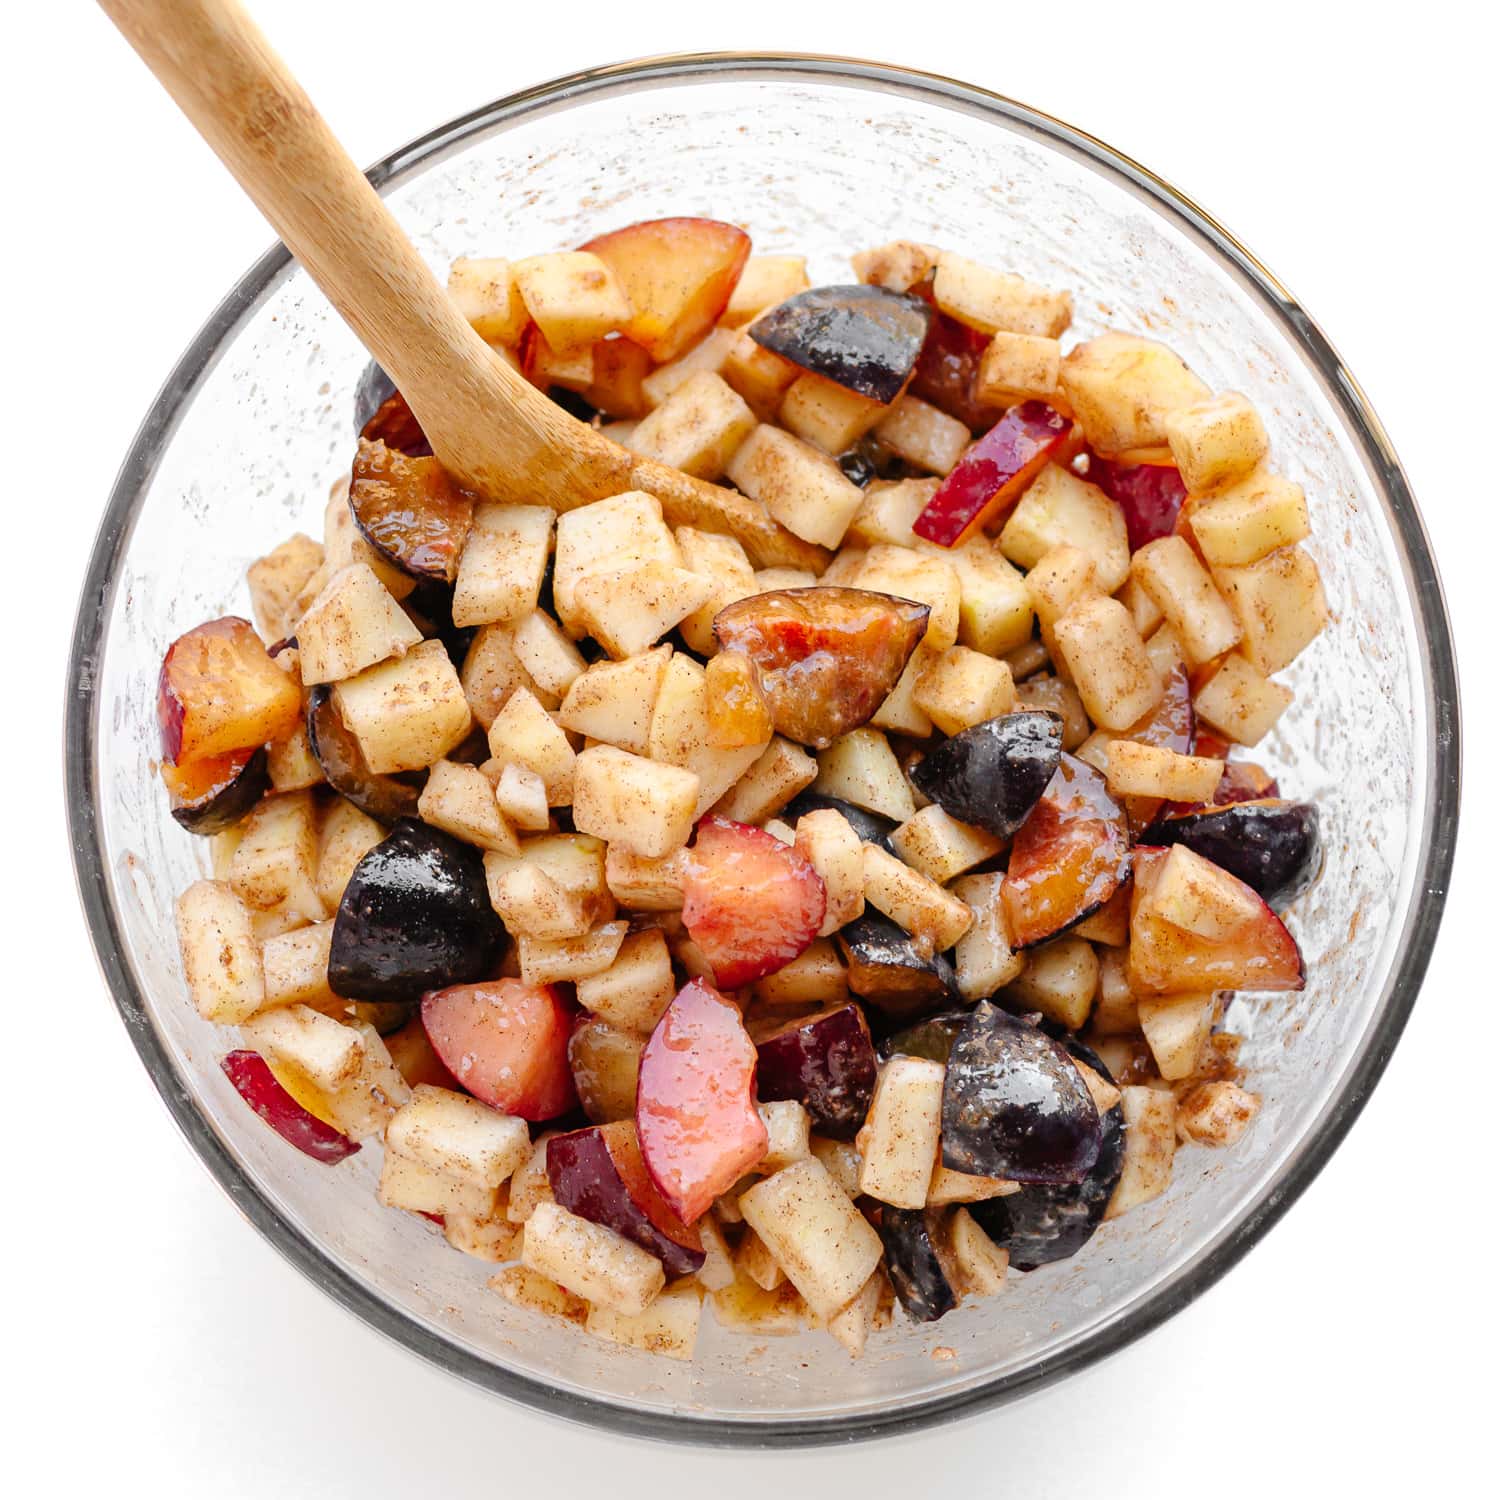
[491,428]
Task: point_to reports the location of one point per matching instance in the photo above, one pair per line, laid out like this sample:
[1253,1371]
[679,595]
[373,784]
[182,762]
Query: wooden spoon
[493,430]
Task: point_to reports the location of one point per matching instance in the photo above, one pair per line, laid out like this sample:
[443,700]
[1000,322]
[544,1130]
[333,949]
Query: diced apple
[1216,1113]
[459,800]
[1108,662]
[406,714]
[924,436]
[827,415]
[697,429]
[963,687]
[570,959]
[899,1142]
[711,354]
[1216,442]
[1241,702]
[488,295]
[760,377]
[574,297]
[722,560]
[1057,509]
[614,701]
[1123,388]
[550,659]
[525,1288]
[1280,604]
[521,796]
[935,919]
[501,568]
[668,1327]
[800,487]
[628,609]
[984,959]
[743,1307]
[591,1261]
[1171,574]
[277,579]
[634,990]
[1150,1146]
[619,384]
[525,734]
[1136,770]
[645,884]
[679,735]
[1018,367]
[906,574]
[492,672]
[990,300]
[1060,980]
[765,281]
[833,849]
[940,847]
[615,533]
[815,977]
[861,768]
[678,276]
[220,957]
[1248,519]
[1175,1028]
[641,804]
[772,780]
[571,368]
[897,266]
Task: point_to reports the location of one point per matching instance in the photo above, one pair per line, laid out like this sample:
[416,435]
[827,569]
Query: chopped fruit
[697,429]
[395,424]
[904,574]
[1059,980]
[992,475]
[1123,388]
[220,957]
[826,1063]
[1015,1104]
[940,847]
[862,337]
[211,795]
[606,1063]
[276,581]
[221,692]
[828,416]
[898,266]
[738,714]
[599,1174]
[1150,495]
[506,1043]
[668,1327]
[984,959]
[406,714]
[575,299]
[629,800]
[678,276]
[1018,367]
[765,281]
[1273,846]
[489,297]
[1249,519]
[1137,770]
[711,354]
[1241,702]
[832,846]
[815,977]
[948,368]
[570,959]
[781,771]
[761,378]
[923,435]
[1181,586]
[353,623]
[1279,603]
[696,1119]
[1150,1145]
[861,768]
[1108,662]
[634,990]
[414,1058]
[921,1273]
[274,867]
[570,369]
[1060,509]
[337,751]
[1175,1028]
[993,774]
[500,574]
[593,1262]
[826,657]
[459,800]
[620,372]
[257,1085]
[1217,442]
[802,488]
[1216,1113]
[613,701]
[415,916]
[887,967]
[930,914]
[992,301]
[410,511]
[899,1142]
[1194,926]
[750,902]
[1068,858]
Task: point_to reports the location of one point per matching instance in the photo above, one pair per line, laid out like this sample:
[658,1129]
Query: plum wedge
[415,916]
[750,902]
[506,1043]
[1068,858]
[209,796]
[678,276]
[864,338]
[914,1256]
[1149,495]
[827,657]
[1273,846]
[599,1174]
[385,798]
[993,773]
[695,1112]
[946,370]
[220,692]
[825,1062]
[410,511]
[1194,926]
[259,1087]
[990,477]
[887,968]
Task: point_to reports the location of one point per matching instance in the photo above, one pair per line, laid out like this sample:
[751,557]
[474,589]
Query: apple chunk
[695,1113]
[991,476]
[678,276]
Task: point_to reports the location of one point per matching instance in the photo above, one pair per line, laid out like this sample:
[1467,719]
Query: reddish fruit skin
[826,657]
[825,1062]
[695,1112]
[257,1085]
[678,275]
[211,795]
[1164,959]
[599,1174]
[1150,495]
[1068,858]
[946,368]
[1208,742]
[750,902]
[506,1043]
[219,692]
[991,475]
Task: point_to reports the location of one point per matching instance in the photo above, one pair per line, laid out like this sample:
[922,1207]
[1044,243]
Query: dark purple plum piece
[384,798]
[415,916]
[222,806]
[381,414]
[888,969]
[992,774]
[931,1038]
[864,338]
[918,1276]
[1274,847]
[826,1063]
[260,1088]
[1015,1104]
[870,827]
[1046,1222]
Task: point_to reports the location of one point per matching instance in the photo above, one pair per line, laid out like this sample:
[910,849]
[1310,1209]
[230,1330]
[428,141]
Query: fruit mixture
[805,944]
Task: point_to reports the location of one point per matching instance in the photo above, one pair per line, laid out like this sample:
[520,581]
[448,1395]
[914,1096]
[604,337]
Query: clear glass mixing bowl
[819,156]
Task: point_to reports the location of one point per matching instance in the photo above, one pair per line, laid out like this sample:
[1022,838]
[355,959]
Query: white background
[157,1346]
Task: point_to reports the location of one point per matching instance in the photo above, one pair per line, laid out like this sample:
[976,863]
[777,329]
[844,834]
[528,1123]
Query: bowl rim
[1419,922]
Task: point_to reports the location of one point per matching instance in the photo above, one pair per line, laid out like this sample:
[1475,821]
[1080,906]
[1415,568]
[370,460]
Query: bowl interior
[816,160]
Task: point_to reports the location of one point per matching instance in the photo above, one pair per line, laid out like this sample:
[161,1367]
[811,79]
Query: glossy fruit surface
[209,796]
[220,692]
[1273,846]
[991,475]
[257,1085]
[410,511]
[506,1043]
[385,798]
[887,968]
[932,1037]
[599,1174]
[1068,858]
[677,274]
[918,1276]
[993,773]
[695,1114]
[825,1062]
[827,657]
[864,338]
[946,370]
[750,902]
[870,827]
[1015,1104]
[1149,495]
[415,916]
[1047,1222]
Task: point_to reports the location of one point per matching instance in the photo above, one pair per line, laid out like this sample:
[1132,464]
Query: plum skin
[385,798]
[875,949]
[827,1064]
[911,1257]
[1275,847]
[993,773]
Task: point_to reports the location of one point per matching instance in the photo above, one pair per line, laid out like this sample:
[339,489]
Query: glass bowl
[821,156]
